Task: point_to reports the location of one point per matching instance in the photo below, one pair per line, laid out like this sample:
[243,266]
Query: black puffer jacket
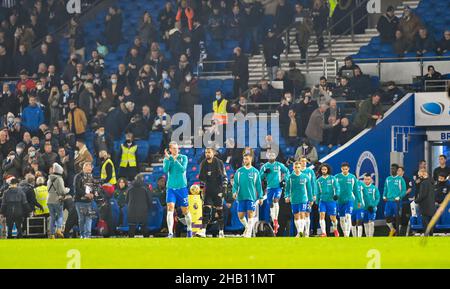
[28,191]
[14,204]
[139,199]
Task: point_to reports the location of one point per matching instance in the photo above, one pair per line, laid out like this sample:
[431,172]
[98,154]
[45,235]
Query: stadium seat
[235,224]
[155,216]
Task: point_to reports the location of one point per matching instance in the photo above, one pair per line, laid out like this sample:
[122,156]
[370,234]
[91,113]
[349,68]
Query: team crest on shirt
[367,164]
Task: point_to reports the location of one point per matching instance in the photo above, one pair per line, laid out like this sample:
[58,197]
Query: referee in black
[215,181]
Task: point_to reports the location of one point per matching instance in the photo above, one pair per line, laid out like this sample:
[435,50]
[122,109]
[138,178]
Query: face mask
[129,141]
[39,87]
[188,78]
[114,81]
[36,146]
[32,154]
[164,75]
[218,96]
[288,99]
[10,119]
[166,85]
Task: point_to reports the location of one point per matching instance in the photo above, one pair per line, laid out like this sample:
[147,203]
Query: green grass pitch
[239,253]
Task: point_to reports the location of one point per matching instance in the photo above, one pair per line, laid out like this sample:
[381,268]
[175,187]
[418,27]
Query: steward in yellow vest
[108,171]
[41,193]
[128,160]
[220,109]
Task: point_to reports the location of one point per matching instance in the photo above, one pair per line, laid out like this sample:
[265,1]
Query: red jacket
[29,83]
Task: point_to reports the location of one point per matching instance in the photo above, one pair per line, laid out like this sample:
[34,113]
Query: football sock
[307,225]
[244,222]
[297,226]
[272,213]
[354,233]
[323,228]
[360,230]
[366,229]
[170,222]
[276,207]
[371,228]
[302,225]
[188,219]
[343,225]
[334,225]
[251,222]
[348,223]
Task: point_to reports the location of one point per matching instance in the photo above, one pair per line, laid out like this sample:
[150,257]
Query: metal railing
[437,85]
[419,59]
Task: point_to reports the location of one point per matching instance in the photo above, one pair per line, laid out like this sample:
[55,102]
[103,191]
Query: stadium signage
[437,135]
[432,109]
[367,164]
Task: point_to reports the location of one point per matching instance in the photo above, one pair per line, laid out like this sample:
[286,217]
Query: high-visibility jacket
[220,111]
[41,193]
[103,175]
[128,156]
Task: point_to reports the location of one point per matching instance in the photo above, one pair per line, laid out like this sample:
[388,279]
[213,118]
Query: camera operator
[84,195]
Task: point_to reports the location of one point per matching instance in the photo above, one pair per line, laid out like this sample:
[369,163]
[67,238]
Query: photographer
[84,194]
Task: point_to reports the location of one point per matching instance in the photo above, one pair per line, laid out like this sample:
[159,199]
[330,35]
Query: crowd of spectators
[47,113]
[409,34]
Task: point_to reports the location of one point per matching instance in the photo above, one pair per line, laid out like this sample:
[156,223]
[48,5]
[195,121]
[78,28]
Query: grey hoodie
[55,185]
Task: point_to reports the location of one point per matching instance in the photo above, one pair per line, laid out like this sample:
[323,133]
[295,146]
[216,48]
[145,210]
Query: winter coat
[272,48]
[83,156]
[363,118]
[55,185]
[78,118]
[409,27]
[28,190]
[139,199]
[316,126]
[32,118]
[14,203]
[425,198]
[387,27]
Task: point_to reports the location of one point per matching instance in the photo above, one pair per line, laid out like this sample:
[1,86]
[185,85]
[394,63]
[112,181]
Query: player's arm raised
[182,164]
[167,163]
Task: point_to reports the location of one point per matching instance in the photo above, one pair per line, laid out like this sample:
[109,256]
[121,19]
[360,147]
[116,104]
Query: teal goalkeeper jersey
[176,171]
[247,184]
[298,188]
[313,179]
[371,196]
[348,187]
[394,187]
[327,188]
[274,176]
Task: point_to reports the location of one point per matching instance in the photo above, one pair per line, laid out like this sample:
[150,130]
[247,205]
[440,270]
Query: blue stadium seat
[155,216]
[235,224]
